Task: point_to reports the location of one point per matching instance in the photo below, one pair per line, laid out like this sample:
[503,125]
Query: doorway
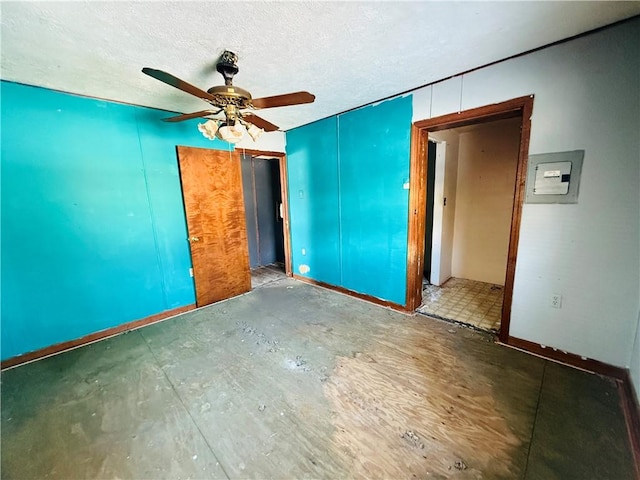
[264,216]
[264,178]
[519,109]
[468,221]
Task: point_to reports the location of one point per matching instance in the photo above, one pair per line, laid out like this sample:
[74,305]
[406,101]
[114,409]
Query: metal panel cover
[554,177]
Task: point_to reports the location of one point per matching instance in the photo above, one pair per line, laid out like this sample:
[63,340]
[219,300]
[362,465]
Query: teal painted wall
[312,168]
[374,148]
[351,170]
[93,226]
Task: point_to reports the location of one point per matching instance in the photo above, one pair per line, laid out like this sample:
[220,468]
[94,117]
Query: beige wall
[487,160]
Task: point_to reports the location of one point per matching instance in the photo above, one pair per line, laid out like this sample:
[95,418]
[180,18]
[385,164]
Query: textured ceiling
[348,54]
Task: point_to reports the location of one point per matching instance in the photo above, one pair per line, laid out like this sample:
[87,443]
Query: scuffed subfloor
[263,275]
[467,301]
[296,381]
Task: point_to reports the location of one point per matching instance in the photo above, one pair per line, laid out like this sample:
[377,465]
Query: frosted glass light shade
[208,129]
[212,129]
[231,133]
[254,132]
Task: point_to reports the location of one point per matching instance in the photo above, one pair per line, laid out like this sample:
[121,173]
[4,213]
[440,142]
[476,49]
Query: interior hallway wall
[445,192]
[487,161]
[93,226]
[586,97]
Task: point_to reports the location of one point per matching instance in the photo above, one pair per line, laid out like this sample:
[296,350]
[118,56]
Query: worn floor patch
[411,426]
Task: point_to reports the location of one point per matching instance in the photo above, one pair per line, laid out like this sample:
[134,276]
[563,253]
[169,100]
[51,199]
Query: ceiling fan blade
[295,98]
[176,82]
[260,122]
[188,116]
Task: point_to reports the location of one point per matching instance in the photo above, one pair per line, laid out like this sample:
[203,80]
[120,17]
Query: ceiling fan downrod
[227,66]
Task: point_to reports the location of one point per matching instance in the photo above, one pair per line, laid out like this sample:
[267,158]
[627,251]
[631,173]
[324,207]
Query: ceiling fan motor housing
[229,95]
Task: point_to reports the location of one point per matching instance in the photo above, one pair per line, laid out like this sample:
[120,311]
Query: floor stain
[386,428]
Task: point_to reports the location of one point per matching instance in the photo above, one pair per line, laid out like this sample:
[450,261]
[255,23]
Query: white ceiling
[348,54]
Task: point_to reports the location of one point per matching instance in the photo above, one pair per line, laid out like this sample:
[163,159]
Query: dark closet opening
[263,210]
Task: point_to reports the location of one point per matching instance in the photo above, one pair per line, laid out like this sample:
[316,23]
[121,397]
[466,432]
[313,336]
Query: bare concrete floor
[295,381]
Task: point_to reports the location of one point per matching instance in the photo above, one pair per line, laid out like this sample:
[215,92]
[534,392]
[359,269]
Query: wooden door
[214,206]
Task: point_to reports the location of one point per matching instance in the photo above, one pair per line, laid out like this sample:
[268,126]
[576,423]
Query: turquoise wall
[93,226]
[93,229]
[349,210]
[314,212]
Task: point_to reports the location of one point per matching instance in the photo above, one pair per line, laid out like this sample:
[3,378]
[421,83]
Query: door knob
[194,239]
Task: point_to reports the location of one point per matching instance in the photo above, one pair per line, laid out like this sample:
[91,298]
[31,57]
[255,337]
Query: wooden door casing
[214,208]
[518,107]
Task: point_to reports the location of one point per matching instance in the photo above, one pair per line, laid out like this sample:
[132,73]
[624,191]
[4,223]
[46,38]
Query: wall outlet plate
[556,300]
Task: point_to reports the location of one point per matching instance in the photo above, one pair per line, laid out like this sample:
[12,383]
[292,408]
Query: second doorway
[262,191]
[471,179]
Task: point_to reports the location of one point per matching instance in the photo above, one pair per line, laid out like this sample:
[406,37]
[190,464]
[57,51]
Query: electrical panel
[554,177]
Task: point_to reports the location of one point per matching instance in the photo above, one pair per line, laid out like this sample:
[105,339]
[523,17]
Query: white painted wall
[635,361]
[438,213]
[634,365]
[487,161]
[445,187]
[268,142]
[449,217]
[586,97]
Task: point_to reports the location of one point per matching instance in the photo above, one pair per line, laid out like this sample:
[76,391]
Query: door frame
[284,190]
[517,107]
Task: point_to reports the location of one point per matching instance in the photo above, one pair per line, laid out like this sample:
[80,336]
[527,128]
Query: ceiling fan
[236,103]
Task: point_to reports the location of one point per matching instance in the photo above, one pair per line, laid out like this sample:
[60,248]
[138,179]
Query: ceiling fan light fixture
[231,133]
[254,132]
[208,129]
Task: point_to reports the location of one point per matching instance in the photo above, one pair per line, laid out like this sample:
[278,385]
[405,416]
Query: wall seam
[339,200]
[635,345]
[431,103]
[152,218]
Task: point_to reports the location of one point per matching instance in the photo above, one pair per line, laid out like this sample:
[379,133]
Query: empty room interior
[320,240]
